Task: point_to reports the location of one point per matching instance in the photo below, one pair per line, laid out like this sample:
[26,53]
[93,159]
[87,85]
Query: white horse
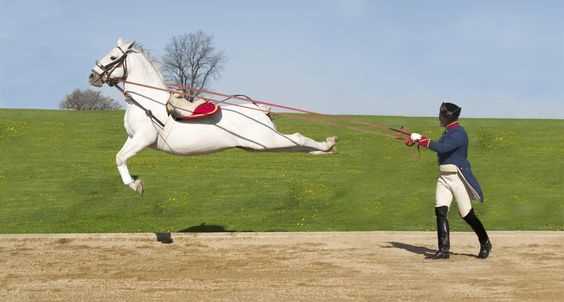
[148,124]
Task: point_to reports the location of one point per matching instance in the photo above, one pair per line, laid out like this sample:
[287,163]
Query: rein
[381,128]
[147,111]
[226,96]
[224,101]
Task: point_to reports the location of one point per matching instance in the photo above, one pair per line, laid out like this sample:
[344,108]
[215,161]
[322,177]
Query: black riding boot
[478,227]
[442,233]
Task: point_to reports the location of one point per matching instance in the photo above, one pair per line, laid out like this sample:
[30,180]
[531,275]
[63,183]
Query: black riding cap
[450,111]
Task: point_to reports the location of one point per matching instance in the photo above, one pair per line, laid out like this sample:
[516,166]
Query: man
[455,180]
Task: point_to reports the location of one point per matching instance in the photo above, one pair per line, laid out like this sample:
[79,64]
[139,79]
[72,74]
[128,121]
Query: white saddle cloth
[179,107]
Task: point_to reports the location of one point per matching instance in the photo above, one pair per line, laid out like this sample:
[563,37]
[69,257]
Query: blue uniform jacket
[452,148]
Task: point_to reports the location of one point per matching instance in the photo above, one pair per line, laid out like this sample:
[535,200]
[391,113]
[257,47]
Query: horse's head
[112,67]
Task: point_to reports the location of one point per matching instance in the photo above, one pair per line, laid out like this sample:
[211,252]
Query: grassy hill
[57,174]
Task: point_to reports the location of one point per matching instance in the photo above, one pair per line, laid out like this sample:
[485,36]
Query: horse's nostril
[91,76]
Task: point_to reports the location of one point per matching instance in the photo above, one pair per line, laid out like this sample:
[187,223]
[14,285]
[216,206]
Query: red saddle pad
[204,110]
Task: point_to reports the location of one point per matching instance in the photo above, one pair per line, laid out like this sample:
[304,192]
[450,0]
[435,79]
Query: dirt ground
[352,266]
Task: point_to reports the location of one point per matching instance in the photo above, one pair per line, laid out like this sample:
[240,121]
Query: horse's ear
[123,44]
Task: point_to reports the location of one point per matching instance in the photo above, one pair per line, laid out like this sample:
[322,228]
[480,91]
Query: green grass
[57,174]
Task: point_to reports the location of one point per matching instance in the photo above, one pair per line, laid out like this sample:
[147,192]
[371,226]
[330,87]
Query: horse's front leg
[132,146]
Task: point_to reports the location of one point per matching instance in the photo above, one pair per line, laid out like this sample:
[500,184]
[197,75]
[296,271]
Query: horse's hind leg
[299,142]
[132,146]
[332,142]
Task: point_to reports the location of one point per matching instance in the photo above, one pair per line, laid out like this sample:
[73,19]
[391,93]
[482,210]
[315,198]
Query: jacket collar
[453,125]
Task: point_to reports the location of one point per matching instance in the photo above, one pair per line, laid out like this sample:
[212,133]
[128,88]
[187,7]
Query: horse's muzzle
[95,79]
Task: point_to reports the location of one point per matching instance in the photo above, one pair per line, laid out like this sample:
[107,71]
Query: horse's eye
[113,58]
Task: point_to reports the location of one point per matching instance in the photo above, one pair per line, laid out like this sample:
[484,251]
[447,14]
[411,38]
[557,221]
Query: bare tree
[88,100]
[191,61]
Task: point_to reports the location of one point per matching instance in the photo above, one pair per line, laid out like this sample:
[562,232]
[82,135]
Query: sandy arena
[353,266]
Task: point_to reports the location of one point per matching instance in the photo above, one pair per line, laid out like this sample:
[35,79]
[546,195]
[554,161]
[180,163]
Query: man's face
[443,120]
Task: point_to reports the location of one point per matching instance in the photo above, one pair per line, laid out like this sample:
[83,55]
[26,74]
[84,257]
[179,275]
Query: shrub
[88,100]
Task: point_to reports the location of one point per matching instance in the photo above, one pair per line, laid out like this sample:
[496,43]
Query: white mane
[153,62]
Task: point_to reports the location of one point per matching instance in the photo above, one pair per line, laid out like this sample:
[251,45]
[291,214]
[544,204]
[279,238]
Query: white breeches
[449,186]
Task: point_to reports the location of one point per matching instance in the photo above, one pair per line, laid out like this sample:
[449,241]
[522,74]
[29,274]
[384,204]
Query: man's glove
[416,138]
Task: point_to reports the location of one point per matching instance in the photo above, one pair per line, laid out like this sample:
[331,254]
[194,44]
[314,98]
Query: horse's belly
[193,138]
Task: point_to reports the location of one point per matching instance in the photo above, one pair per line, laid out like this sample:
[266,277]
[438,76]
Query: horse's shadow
[421,250]
[207,228]
[166,237]
[211,228]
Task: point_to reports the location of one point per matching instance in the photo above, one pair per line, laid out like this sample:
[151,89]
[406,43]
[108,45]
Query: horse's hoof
[332,141]
[333,149]
[140,188]
[137,186]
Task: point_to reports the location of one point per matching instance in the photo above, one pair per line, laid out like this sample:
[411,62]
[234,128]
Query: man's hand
[412,139]
[415,137]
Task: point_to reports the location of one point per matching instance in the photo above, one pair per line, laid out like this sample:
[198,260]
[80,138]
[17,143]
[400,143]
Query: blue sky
[494,58]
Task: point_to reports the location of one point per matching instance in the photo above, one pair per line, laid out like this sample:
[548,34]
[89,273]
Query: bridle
[109,68]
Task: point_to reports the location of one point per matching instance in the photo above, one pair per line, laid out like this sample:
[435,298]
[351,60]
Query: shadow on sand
[206,228]
[421,250]
[210,228]
[166,237]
